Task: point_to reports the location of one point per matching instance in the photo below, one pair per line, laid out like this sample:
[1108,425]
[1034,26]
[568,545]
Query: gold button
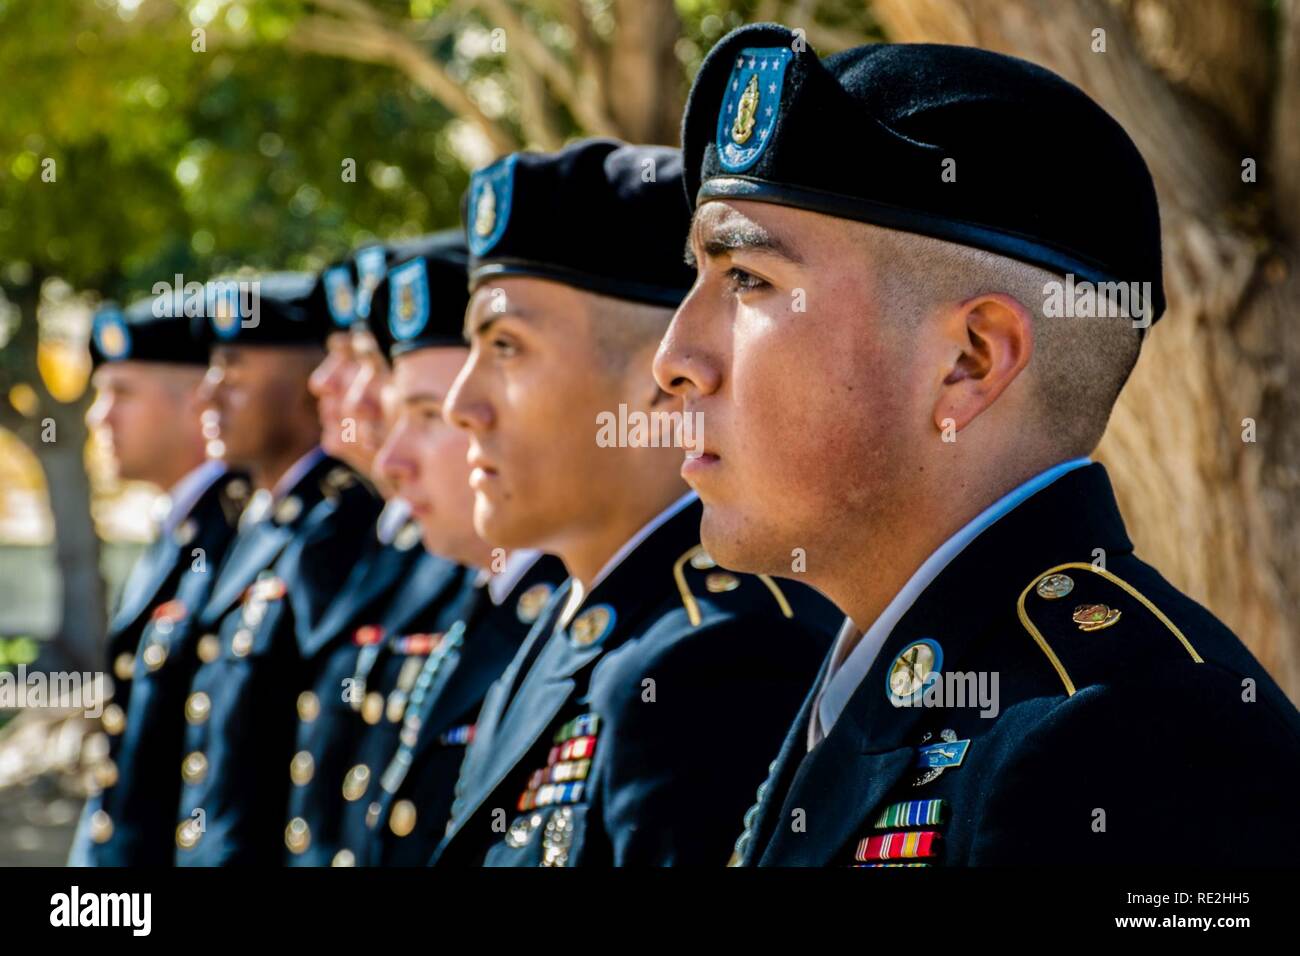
[197,707]
[402,818]
[188,834]
[242,642]
[308,707]
[123,665]
[209,648]
[355,783]
[297,835]
[396,707]
[101,826]
[113,719]
[372,708]
[301,767]
[702,561]
[344,858]
[194,767]
[154,655]
[105,774]
[721,581]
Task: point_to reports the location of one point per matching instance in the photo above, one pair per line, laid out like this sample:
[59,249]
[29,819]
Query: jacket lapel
[778,781]
[252,552]
[145,581]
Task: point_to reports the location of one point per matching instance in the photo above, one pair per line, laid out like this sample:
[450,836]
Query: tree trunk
[57,436]
[1217,514]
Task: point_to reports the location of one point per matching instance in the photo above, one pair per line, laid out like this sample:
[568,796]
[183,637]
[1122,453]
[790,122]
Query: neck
[268,472]
[584,555]
[171,473]
[895,550]
[482,558]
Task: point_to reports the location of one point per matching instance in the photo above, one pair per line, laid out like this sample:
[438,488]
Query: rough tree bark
[1200,87]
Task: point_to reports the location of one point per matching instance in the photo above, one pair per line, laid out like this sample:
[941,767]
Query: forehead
[118,374]
[428,371]
[541,301]
[796,233]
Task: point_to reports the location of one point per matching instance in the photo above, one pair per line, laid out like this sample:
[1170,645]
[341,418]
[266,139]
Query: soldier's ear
[988,340]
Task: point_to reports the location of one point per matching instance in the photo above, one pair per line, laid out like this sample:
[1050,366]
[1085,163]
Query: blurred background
[141,139]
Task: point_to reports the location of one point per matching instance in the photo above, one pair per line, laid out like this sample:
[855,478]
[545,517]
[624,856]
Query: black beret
[865,134]
[347,287]
[273,308]
[598,215]
[421,302]
[144,332]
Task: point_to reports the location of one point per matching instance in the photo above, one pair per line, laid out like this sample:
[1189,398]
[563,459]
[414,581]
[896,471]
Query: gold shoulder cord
[688,599]
[693,607]
[1119,582]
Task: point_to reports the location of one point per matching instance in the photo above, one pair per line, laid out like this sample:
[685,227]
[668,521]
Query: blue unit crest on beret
[408,303]
[112,337]
[340,296]
[372,263]
[751,105]
[490,193]
[223,309]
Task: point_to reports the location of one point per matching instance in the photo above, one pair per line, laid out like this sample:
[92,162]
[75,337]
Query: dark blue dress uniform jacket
[128,822]
[1156,737]
[281,573]
[414,794]
[386,674]
[403,578]
[635,735]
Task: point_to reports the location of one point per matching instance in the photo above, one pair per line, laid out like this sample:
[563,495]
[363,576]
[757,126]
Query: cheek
[801,392]
[444,459]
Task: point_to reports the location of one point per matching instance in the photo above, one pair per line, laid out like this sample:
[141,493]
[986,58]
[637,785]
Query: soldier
[424,458]
[1012,685]
[622,731]
[298,539]
[147,371]
[346,725]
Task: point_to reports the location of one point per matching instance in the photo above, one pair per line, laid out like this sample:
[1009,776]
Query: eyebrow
[419,398]
[480,327]
[736,235]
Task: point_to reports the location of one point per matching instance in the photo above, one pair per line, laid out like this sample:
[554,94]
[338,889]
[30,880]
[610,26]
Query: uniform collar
[397,511]
[578,594]
[500,585]
[846,673]
[297,471]
[185,494]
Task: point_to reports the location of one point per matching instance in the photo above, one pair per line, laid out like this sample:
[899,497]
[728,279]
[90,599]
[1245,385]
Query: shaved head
[1079,365]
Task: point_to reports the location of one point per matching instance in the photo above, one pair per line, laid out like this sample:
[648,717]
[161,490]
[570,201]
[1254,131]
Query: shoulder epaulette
[716,581]
[233,498]
[1098,600]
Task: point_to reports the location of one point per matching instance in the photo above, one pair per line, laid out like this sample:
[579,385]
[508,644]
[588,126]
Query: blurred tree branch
[364,35]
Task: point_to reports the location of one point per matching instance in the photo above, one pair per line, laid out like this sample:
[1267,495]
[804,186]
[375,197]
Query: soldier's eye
[742,281]
[503,347]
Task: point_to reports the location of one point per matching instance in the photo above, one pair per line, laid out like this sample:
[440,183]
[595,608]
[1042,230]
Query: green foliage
[170,160]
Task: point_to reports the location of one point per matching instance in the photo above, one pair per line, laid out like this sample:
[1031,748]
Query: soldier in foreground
[1013,684]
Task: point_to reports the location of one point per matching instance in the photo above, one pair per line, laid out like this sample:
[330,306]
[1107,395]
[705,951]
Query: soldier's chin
[722,532]
[492,521]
